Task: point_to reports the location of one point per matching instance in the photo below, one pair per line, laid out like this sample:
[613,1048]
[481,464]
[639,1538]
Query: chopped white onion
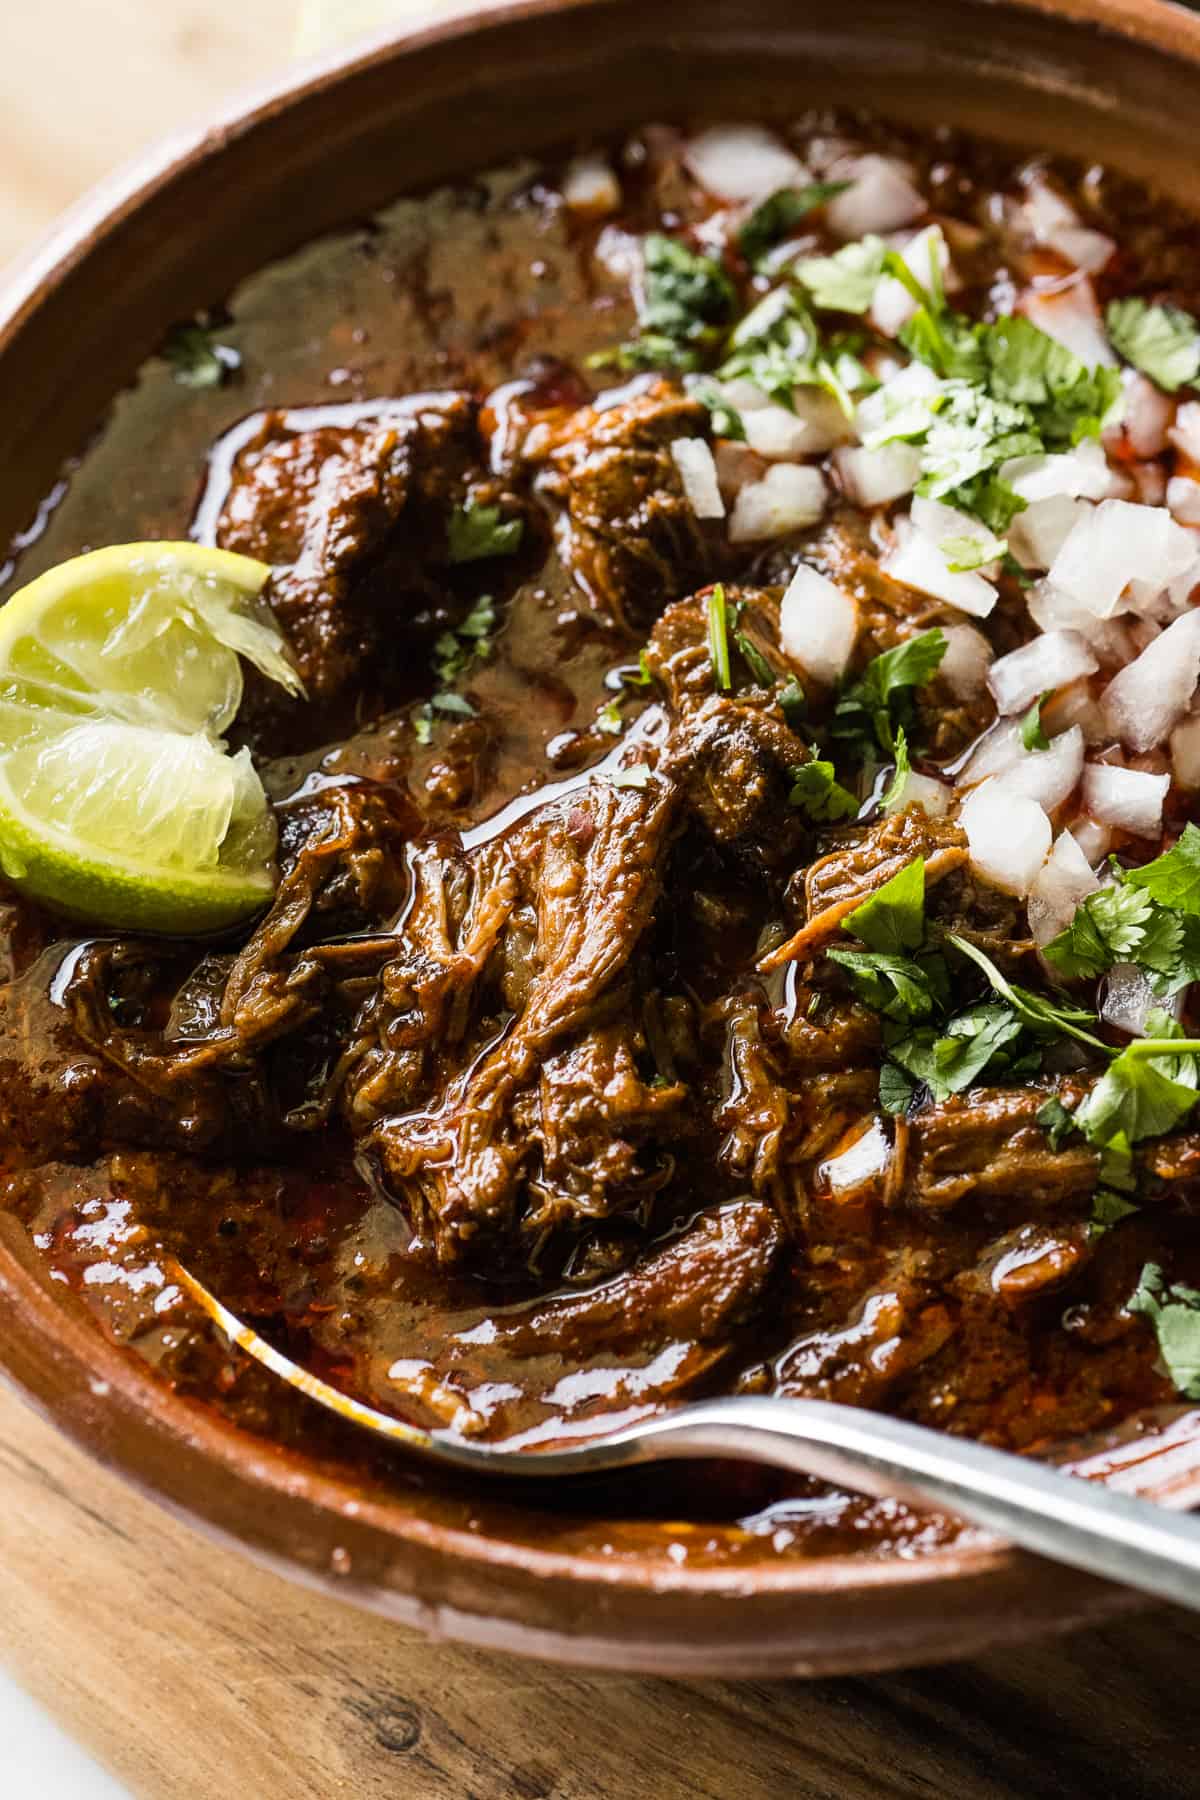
[893,306]
[1047,776]
[814,423]
[1038,667]
[619,253]
[944,525]
[1051,221]
[1128,998]
[742,162]
[875,477]
[1185,753]
[932,796]
[590,186]
[1064,879]
[867,1157]
[1075,704]
[1149,485]
[1094,839]
[818,623]
[966,662]
[1117,545]
[876,411]
[1128,798]
[698,473]
[1146,417]
[996,751]
[1183,499]
[1185,433]
[736,465]
[1008,836]
[1081,473]
[1072,318]
[917,561]
[1149,696]
[882,197]
[787,498]
[1036,535]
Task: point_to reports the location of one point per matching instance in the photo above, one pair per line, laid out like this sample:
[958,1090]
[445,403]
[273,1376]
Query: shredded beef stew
[738,895]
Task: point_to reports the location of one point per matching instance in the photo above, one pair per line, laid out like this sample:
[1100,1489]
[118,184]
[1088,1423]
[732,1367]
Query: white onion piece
[1008,836]
[867,1157]
[1094,839]
[1150,485]
[1072,318]
[893,306]
[818,623]
[698,473]
[590,186]
[1081,473]
[1149,696]
[1146,418]
[1075,704]
[966,662]
[815,423]
[1047,776]
[993,754]
[741,162]
[882,197]
[875,477]
[1038,667]
[944,524]
[1036,535]
[619,253]
[1064,879]
[1185,753]
[876,411]
[1185,433]
[1051,221]
[736,465]
[787,498]
[1084,248]
[1127,798]
[1117,544]
[932,796]
[1183,499]
[916,561]
[1128,998]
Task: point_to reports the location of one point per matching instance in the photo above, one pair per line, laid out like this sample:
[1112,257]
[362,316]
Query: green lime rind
[105,892]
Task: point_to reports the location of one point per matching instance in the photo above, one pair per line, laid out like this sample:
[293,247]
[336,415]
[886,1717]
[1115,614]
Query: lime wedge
[119,803]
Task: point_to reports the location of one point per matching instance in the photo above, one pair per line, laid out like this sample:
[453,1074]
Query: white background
[39,1761]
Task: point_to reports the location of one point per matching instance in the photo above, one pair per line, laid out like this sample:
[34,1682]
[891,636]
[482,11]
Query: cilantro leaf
[1108,1209]
[686,294]
[880,701]
[453,704]
[817,793]
[608,719]
[774,217]
[1033,732]
[955,1057]
[754,660]
[896,986]
[1108,927]
[1134,1099]
[895,787]
[477,531]
[1055,1121]
[652,350]
[1162,341]
[1043,1016]
[845,281]
[1174,878]
[893,918]
[896,1089]
[726,420]
[1174,1312]
[792,703]
[197,360]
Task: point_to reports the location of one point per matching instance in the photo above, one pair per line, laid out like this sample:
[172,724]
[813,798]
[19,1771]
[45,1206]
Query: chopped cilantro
[1055,1121]
[422,724]
[453,704]
[687,294]
[1108,1209]
[726,420]
[1108,928]
[817,794]
[608,719]
[197,360]
[962,554]
[1162,341]
[792,703]
[893,918]
[1042,1016]
[653,350]
[642,676]
[1136,1097]
[777,215]
[1033,732]
[476,532]
[1174,1312]
[895,787]
[1173,879]
[896,1090]
[754,660]
[954,1057]
[456,650]
[896,986]
[846,281]
[778,348]
[718,639]
[880,701]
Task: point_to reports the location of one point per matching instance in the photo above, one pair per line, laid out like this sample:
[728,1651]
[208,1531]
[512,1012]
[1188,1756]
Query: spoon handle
[1069,1519]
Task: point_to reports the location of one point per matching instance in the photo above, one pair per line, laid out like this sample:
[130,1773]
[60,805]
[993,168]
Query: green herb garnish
[879,703]
[1174,1312]
[477,531]
[777,215]
[1162,341]
[817,793]
[1033,733]
[718,639]
[197,360]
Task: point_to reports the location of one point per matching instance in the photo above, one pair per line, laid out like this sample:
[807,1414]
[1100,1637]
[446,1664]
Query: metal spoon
[1071,1520]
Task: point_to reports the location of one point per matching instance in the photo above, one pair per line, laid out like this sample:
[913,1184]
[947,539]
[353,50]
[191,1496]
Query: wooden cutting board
[194,1675]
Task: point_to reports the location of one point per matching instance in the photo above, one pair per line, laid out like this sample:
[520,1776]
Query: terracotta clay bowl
[1106,78]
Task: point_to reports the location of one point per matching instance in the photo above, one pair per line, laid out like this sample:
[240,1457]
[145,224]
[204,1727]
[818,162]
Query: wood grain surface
[195,1676]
